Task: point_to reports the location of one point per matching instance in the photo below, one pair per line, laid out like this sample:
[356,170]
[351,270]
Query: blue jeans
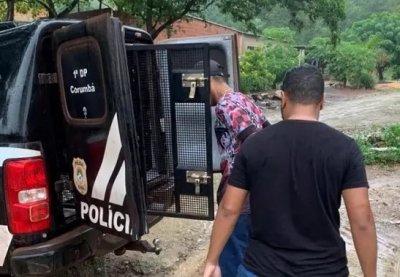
[244,272]
[233,253]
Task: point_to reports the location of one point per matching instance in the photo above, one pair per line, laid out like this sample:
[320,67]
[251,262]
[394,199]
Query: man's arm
[362,228]
[228,212]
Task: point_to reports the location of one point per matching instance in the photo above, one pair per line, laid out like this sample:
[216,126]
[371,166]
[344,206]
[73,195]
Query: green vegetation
[369,47]
[254,75]
[280,55]
[161,14]
[396,72]
[264,68]
[278,16]
[352,63]
[297,12]
[380,146]
[279,58]
[321,50]
[279,35]
[382,33]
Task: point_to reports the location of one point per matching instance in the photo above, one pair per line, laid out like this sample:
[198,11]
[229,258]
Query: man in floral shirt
[237,118]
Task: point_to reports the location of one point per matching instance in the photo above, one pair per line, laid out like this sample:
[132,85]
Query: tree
[382,33]
[7,10]
[280,54]
[280,58]
[320,50]
[355,10]
[264,68]
[3,10]
[157,15]
[213,13]
[56,8]
[331,12]
[354,63]
[382,62]
[254,74]
[279,35]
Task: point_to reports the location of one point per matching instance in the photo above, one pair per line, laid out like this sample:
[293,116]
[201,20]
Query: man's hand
[362,228]
[212,270]
[227,215]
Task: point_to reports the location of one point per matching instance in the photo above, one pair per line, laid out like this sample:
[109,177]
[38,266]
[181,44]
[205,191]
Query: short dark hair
[304,85]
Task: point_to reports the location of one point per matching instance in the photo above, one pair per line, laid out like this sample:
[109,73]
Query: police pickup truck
[102,133]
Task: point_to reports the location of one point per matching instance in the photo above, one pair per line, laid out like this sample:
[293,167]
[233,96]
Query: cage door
[170,88]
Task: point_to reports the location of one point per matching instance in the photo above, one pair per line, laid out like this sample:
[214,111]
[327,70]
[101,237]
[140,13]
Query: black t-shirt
[295,172]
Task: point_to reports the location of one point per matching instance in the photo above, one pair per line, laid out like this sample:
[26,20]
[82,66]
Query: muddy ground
[185,242]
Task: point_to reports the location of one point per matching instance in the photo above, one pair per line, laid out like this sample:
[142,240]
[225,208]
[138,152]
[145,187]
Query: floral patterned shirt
[237,118]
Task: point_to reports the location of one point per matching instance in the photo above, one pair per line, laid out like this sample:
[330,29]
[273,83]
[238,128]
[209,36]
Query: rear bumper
[60,252]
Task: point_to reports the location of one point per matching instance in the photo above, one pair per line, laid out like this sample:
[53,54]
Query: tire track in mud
[350,113]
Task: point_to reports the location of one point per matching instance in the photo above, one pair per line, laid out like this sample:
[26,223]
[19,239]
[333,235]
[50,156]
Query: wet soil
[185,242]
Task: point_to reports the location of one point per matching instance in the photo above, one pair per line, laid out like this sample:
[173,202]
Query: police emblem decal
[80,179]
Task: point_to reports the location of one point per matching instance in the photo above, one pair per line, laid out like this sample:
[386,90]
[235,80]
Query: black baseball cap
[215,68]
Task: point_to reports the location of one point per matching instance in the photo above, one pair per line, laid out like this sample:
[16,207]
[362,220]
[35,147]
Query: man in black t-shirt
[296,172]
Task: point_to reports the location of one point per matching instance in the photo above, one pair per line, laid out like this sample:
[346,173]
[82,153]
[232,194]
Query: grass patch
[381,146]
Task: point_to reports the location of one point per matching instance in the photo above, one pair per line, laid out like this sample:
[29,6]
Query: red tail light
[27,199]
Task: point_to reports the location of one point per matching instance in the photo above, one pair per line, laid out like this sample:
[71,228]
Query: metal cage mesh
[172,131]
[190,135]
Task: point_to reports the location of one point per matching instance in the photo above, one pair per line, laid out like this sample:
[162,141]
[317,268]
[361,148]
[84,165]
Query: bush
[396,72]
[264,68]
[321,51]
[279,58]
[380,31]
[279,35]
[382,146]
[391,135]
[365,80]
[352,62]
[254,75]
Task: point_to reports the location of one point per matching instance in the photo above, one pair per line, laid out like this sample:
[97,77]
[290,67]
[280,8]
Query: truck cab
[102,133]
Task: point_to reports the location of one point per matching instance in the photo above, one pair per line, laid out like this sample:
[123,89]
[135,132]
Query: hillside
[277,17]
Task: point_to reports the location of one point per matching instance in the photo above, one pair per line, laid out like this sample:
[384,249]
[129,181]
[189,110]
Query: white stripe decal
[110,159]
[118,191]
[5,240]
[15,153]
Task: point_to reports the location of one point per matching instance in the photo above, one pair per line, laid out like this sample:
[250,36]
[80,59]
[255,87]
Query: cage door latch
[197,178]
[193,81]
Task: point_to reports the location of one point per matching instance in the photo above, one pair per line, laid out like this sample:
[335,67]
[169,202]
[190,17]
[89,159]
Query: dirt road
[353,110]
[185,242]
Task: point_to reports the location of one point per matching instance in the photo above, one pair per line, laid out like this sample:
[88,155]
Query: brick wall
[194,27]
